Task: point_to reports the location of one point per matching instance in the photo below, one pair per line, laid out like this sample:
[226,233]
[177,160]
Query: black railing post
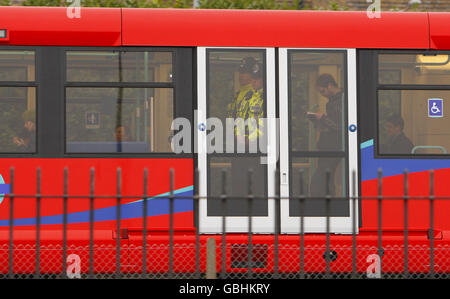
[354,219]
[302,223]
[197,230]
[224,220]
[171,228]
[144,219]
[277,223]
[118,217]
[250,223]
[431,223]
[64,258]
[38,222]
[327,203]
[11,225]
[380,219]
[91,222]
[405,212]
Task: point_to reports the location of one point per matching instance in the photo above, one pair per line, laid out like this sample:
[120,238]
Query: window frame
[50,76]
[34,84]
[402,87]
[174,84]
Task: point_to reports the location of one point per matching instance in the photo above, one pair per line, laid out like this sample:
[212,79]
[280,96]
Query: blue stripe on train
[158,205]
[391,167]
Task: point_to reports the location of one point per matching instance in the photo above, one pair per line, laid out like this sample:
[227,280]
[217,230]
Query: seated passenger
[26,141]
[121,134]
[397,142]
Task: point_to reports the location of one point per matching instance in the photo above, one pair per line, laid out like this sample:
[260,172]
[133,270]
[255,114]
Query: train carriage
[94,101]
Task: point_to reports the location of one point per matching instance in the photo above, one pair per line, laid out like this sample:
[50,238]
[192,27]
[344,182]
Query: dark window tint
[17,66]
[110,120]
[317,88]
[413,122]
[318,177]
[413,69]
[115,66]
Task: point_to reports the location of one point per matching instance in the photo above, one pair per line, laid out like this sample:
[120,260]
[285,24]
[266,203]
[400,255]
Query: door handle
[284,178]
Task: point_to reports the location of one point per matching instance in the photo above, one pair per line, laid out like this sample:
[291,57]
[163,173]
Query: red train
[108,94]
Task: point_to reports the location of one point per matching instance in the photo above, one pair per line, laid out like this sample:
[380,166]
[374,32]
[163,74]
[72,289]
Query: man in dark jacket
[397,142]
[329,125]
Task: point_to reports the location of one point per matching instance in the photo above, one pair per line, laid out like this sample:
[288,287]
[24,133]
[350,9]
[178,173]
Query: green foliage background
[214,4]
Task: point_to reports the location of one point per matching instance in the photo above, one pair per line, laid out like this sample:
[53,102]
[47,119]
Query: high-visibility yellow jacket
[245,91]
[251,109]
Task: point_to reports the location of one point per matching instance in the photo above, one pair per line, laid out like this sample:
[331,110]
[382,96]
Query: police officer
[245,86]
[249,107]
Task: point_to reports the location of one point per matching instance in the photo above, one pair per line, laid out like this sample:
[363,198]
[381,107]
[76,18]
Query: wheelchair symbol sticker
[435,107]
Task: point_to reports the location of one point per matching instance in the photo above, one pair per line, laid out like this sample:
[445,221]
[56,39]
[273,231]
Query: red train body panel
[215,28]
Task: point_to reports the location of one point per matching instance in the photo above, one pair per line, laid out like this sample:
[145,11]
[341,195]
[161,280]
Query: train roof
[218,28]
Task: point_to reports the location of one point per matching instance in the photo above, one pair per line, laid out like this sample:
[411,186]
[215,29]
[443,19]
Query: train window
[114,66]
[17,119]
[413,122]
[413,69]
[17,104]
[113,120]
[236,90]
[306,100]
[306,172]
[17,66]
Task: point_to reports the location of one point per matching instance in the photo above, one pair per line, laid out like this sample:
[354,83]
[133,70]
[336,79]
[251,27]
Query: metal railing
[169,254]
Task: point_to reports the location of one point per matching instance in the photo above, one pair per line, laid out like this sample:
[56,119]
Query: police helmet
[247,65]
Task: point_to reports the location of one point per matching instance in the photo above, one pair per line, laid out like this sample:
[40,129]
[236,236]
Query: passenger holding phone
[329,124]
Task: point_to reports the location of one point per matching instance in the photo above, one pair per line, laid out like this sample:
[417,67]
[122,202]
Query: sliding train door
[235,83]
[318,139]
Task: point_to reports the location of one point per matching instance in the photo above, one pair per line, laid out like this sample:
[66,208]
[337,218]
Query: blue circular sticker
[352,128]
[202,127]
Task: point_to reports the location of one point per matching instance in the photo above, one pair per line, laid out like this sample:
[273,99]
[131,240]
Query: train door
[232,83]
[318,138]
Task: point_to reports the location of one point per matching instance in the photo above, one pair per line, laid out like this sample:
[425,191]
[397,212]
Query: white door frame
[289,224]
[213,224]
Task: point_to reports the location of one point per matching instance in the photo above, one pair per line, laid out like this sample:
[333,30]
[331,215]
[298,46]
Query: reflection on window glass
[109,120]
[18,119]
[316,99]
[420,124]
[312,174]
[413,69]
[17,66]
[112,66]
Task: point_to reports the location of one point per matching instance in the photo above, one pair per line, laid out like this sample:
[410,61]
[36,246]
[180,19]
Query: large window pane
[112,66]
[112,120]
[17,66]
[17,119]
[311,173]
[317,101]
[406,125]
[236,90]
[413,69]
[147,67]
[237,186]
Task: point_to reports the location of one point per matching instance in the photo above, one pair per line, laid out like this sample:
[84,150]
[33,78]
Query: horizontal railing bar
[218,197]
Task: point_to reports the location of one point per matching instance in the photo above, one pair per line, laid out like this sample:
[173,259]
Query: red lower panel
[184,253]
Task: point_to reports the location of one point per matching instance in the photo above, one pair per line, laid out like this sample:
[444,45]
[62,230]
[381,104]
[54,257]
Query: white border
[317,224]
[213,224]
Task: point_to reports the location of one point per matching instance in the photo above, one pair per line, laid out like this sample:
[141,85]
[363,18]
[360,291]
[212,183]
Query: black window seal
[117,84]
